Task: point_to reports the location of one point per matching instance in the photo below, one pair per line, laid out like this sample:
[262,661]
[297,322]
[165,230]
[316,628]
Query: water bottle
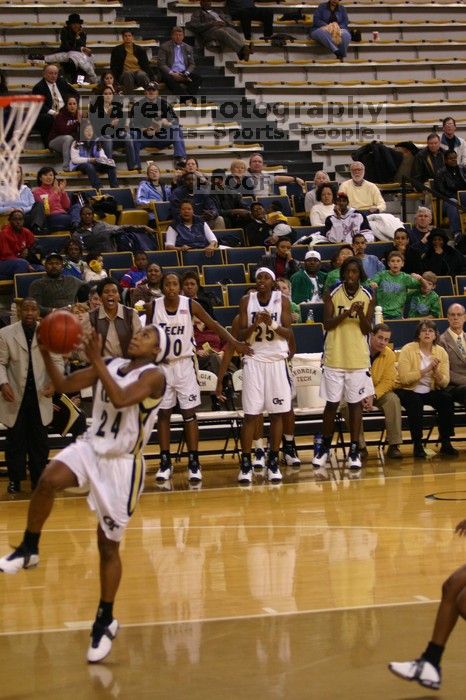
[378,315]
[310,316]
[318,440]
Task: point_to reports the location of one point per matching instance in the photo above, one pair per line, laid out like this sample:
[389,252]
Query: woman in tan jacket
[424,373]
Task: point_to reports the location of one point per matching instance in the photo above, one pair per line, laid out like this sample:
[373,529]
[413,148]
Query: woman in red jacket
[16,242]
[65,129]
[51,192]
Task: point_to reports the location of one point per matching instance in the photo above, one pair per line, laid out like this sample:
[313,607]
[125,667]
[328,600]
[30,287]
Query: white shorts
[345,385]
[266,387]
[182,384]
[115,484]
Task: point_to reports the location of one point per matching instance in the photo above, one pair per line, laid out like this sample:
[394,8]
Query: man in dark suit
[129,64]
[56,91]
[454,342]
[212,25]
[427,162]
[177,67]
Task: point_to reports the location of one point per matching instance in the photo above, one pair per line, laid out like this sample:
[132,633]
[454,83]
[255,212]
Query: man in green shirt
[307,284]
[333,276]
[392,286]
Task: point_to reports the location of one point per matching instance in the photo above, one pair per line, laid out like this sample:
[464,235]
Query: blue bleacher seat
[52,243]
[225,314]
[22,282]
[118,260]
[445,286]
[122,195]
[163,257]
[244,255]
[403,330]
[220,273]
[284,201]
[236,291]
[231,237]
[309,337]
[199,258]
[447,301]
[461,284]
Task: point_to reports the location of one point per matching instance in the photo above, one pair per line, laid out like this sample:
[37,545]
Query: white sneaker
[165,472]
[258,463]
[419,670]
[274,474]
[354,461]
[320,457]
[194,472]
[101,641]
[245,472]
[290,456]
[17,560]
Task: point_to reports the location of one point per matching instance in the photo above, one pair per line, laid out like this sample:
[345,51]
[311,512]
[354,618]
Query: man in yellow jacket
[385,380]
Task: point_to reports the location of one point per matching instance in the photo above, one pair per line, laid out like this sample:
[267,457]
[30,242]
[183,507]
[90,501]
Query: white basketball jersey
[121,431]
[178,326]
[267,345]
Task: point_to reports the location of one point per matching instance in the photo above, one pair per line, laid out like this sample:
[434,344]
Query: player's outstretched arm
[200,312]
[70,383]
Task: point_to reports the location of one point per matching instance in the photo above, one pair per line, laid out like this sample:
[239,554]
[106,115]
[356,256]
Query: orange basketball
[60,331]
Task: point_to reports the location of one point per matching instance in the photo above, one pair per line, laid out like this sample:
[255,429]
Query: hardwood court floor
[303,591]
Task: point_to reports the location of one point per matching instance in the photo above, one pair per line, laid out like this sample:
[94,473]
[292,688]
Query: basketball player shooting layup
[108,459]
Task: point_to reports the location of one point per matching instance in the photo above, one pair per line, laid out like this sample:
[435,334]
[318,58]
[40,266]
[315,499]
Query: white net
[17,117]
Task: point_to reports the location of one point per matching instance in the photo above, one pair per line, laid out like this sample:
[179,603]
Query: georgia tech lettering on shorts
[277,402]
[110,523]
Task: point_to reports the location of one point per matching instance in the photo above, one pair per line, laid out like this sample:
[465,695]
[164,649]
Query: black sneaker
[194,471]
[273,470]
[448,450]
[165,470]
[418,451]
[13,487]
[245,472]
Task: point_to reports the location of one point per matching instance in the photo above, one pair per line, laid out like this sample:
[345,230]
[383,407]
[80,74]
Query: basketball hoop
[14,130]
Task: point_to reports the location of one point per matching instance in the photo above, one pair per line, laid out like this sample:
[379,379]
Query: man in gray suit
[212,25]
[177,67]
[25,397]
[454,342]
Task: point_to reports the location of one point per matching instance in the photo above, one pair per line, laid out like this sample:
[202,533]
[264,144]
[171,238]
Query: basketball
[60,331]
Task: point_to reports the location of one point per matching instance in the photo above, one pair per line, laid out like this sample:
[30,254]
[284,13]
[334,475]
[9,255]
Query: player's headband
[268,271]
[164,343]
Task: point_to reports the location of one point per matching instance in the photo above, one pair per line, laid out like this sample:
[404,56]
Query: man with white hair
[421,228]
[454,342]
[362,194]
[310,199]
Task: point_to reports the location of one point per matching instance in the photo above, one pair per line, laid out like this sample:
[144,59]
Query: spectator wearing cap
[442,258]
[155,124]
[129,64]
[177,66]
[229,202]
[72,49]
[281,261]
[54,290]
[362,195]
[16,242]
[307,284]
[345,222]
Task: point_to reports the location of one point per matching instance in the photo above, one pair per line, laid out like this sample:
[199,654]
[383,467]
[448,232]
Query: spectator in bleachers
[16,243]
[261,183]
[229,204]
[95,235]
[191,287]
[427,162]
[154,123]
[51,192]
[54,290]
[55,91]
[363,195]
[453,340]
[412,256]
[116,323]
[177,66]
[450,141]
[259,229]
[129,64]
[73,50]
[213,25]
[137,272]
[424,375]
[190,231]
[448,181]
[333,276]
[209,346]
[421,228]
[191,166]
[202,204]
[149,288]
[94,268]
[310,198]
[370,263]
[245,11]
[425,303]
[341,226]
[107,79]
[65,130]
[330,27]
[284,285]
[107,118]
[73,263]
[324,206]
[307,284]
[237,179]
[34,216]
[151,189]
[442,258]
[88,156]
[393,285]
[281,262]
